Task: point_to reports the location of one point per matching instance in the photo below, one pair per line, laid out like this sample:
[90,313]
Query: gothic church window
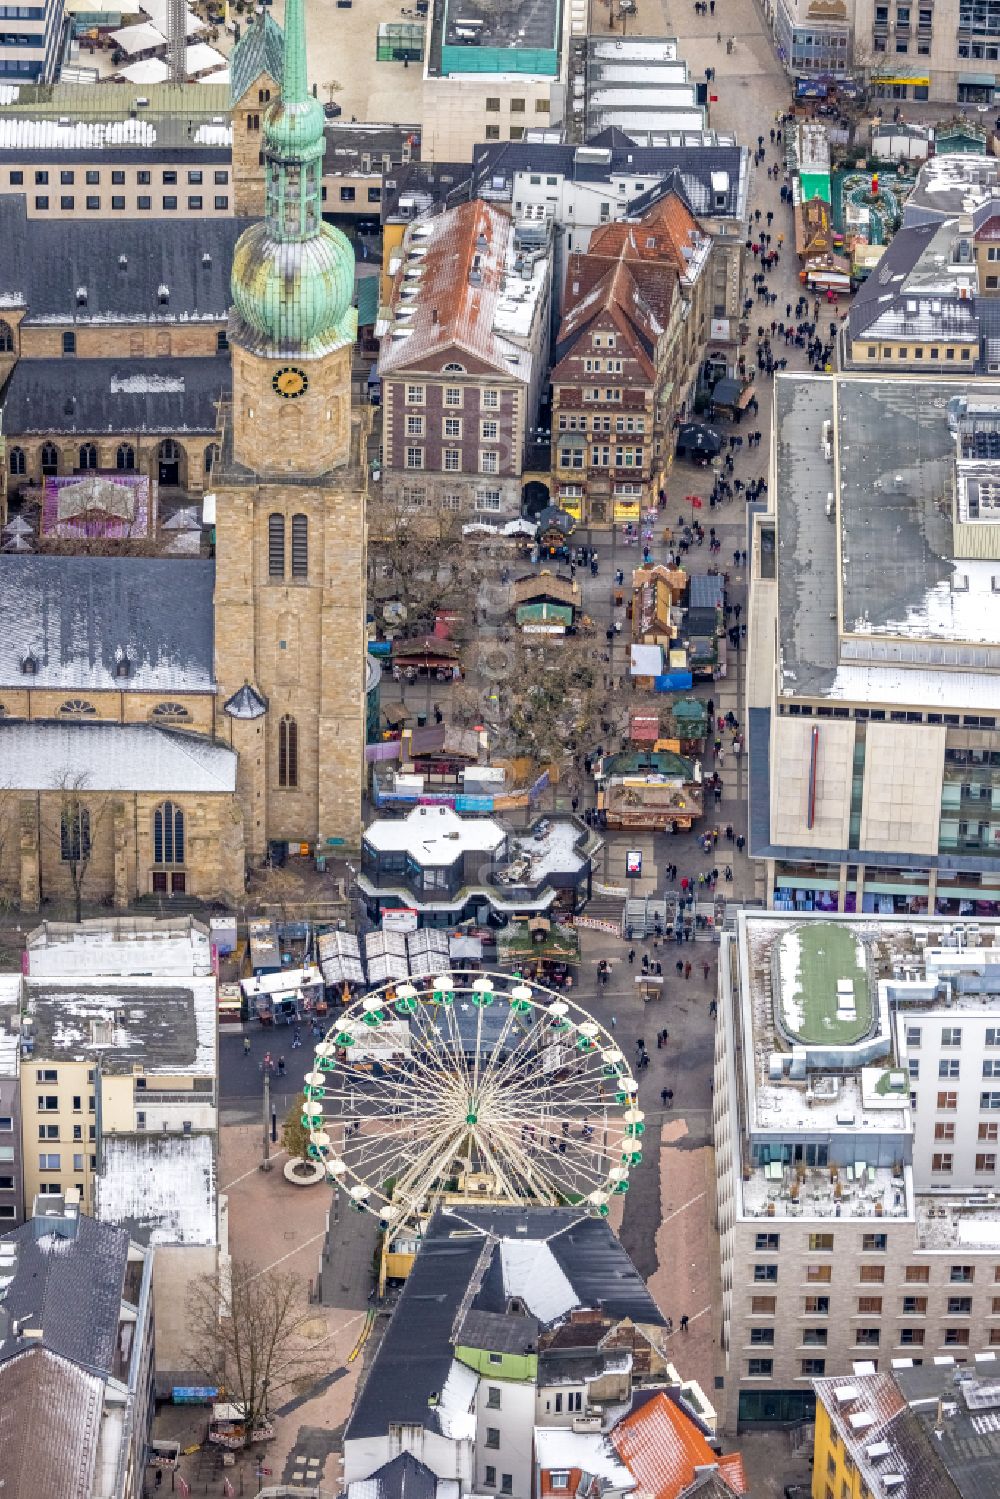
[276,546]
[288,752]
[168,834]
[300,546]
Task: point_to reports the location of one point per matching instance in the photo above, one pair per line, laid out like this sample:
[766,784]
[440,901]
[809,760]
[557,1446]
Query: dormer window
[163,295]
[81,296]
[123,262]
[123,667]
[29,666]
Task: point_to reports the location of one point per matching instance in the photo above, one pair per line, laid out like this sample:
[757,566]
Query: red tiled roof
[662,1447]
[616,294]
[662,234]
[450,313]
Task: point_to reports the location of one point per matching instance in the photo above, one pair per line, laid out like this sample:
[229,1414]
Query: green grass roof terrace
[813,959]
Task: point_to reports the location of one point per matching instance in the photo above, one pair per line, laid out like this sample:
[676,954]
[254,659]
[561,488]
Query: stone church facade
[168,720]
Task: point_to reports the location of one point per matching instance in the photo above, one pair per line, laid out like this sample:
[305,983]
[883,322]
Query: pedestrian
[679,967]
[281,1066]
[687,970]
[659,1041]
[684,1322]
[713,1008]
[631,955]
[614,1022]
[663,1095]
[706,969]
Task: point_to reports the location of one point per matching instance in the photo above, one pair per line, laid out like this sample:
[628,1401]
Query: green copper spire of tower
[293,276]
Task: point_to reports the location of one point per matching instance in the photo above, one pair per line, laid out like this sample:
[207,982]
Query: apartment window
[221,179]
[818,1274]
[194,179]
[989,1100]
[914,1306]
[17,179]
[867,1337]
[48,1131]
[959,1306]
[194,202]
[452,462]
[491,1477]
[48,1103]
[517,106]
[41,202]
[93,204]
[989,1131]
[487,499]
[872,1275]
[170,179]
[414,426]
[78,1163]
[962,1275]
[6,1124]
[762,1335]
[493,1397]
[169,203]
[913,1035]
[66,203]
[763,1306]
[814,1337]
[506,1483]
[992,1036]
[986,1164]
[495,1358]
[956,1337]
[77,1103]
[490,400]
[874,1243]
[765,1272]
[911,1337]
[768,1242]
[414,457]
[78,1132]
[817,1306]
[492,105]
[869,1306]
[144,202]
[948,1067]
[46,1075]
[415,395]
[951,1035]
[453,426]
[814,1366]
[453,395]
[558,1478]
[942,1161]
[991,1067]
[949,1101]
[492,132]
[221,201]
[944,1131]
[489,463]
[493,1436]
[760,1367]
[117,179]
[41,179]
[118,205]
[48,1161]
[489,431]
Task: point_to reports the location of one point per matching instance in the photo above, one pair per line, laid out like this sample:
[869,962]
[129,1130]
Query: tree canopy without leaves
[247,1335]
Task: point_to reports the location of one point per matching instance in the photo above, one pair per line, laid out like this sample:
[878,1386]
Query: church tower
[290,502]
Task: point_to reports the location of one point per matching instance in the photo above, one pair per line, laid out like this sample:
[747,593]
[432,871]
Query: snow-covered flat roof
[435,835]
[166,1026]
[162,1188]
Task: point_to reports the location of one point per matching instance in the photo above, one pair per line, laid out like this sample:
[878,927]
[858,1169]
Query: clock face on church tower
[289,382]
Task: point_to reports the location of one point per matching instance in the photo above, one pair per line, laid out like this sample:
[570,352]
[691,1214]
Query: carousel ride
[471,1087]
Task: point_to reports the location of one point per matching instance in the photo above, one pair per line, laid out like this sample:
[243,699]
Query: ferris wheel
[467,1087]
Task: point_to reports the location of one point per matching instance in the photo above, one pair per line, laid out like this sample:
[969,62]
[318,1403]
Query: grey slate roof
[261,49]
[50,1417]
[461,1254]
[246,702]
[76,615]
[45,264]
[37,756]
[69,1287]
[87,397]
[405,1477]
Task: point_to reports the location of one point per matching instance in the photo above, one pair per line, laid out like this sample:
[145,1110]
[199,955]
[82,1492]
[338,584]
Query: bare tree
[248,1334]
[415,556]
[79,817]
